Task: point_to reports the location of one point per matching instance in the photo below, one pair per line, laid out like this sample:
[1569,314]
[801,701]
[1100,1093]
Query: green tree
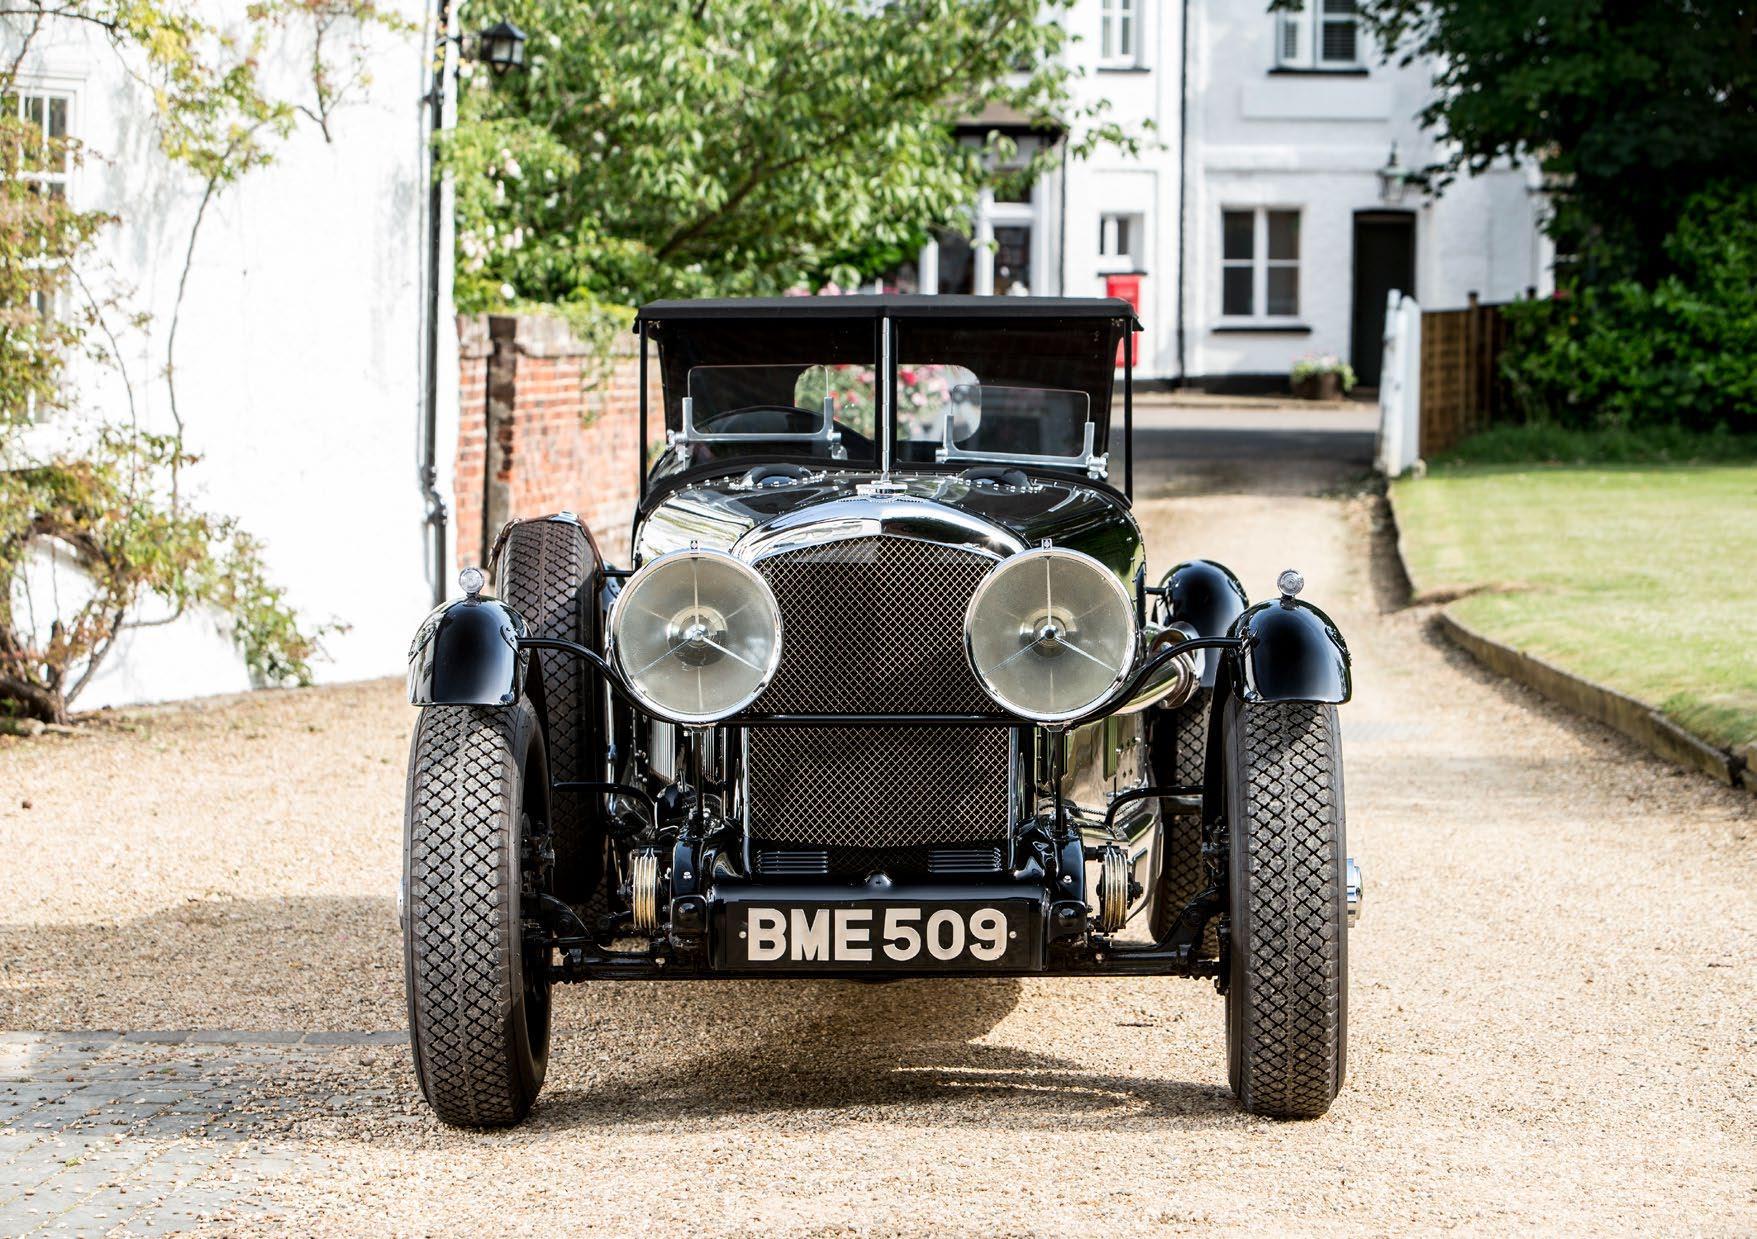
[672,148]
[1675,353]
[1631,108]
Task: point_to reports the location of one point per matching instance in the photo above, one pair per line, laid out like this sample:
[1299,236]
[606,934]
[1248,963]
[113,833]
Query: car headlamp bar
[878,720]
[593,659]
[1142,674]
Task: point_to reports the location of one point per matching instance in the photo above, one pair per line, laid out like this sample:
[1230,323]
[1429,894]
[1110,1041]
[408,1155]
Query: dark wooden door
[1384,259]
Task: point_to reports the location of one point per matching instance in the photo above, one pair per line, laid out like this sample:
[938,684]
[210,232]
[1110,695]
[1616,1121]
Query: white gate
[1400,388]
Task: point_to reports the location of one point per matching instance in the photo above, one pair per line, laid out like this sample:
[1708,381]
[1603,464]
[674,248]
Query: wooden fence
[1462,390]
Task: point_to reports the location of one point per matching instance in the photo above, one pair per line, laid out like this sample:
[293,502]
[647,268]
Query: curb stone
[1635,719]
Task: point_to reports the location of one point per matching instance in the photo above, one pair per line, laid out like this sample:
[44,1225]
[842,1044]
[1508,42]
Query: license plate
[883,937]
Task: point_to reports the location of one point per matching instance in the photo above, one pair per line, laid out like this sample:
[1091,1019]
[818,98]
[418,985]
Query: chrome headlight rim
[1111,580]
[613,622]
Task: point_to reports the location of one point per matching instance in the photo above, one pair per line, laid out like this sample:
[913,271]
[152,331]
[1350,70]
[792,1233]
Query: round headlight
[696,636]
[1050,634]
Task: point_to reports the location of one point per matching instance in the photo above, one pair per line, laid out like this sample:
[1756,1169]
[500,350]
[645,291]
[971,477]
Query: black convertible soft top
[890,305]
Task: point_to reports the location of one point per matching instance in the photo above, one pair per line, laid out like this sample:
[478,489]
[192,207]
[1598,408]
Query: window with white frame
[1119,32]
[1318,34]
[47,164]
[46,115]
[1259,263]
[1120,242]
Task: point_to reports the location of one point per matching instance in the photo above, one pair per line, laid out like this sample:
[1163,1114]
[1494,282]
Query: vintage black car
[884,693]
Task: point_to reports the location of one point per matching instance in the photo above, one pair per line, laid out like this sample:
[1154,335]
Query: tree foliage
[92,533]
[664,148]
[41,238]
[1630,107]
[1630,356]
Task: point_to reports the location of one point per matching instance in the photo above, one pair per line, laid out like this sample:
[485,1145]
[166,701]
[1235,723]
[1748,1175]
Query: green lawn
[1643,578]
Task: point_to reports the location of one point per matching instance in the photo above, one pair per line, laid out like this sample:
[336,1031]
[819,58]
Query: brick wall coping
[532,335]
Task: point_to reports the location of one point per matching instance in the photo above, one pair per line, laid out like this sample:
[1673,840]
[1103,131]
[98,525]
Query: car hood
[753,520]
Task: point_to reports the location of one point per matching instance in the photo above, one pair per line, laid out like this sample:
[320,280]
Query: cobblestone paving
[153,1132]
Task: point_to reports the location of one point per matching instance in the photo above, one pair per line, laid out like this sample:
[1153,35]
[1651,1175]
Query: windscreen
[809,389]
[1018,388]
[774,390]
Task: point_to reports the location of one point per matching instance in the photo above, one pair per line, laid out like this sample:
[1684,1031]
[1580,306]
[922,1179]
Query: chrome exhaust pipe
[1176,682]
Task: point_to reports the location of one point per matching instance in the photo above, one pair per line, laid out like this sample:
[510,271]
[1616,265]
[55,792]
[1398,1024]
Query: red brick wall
[466,508]
[534,438]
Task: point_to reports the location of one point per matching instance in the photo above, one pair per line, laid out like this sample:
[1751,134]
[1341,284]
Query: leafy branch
[92,532]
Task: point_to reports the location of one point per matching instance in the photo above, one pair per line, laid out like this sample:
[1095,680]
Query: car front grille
[791,861]
[878,787]
[875,625]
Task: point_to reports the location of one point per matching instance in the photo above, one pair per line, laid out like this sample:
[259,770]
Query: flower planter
[1325,386]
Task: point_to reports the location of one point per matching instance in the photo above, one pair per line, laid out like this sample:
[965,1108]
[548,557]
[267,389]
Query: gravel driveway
[1552,1005]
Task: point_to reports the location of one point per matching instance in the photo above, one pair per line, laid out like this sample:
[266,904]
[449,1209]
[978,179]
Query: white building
[1260,224]
[299,350]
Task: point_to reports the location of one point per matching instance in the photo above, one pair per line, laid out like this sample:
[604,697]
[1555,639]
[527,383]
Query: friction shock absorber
[643,895]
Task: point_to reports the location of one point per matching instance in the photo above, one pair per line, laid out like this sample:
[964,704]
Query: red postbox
[1128,287]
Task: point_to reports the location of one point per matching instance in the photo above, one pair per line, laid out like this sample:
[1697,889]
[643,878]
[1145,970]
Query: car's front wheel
[1287,995]
[475,857]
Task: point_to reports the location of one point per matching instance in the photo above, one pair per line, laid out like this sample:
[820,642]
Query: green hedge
[1681,353]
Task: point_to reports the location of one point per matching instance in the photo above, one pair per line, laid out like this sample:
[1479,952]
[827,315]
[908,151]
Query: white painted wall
[1311,142]
[1142,97]
[298,355]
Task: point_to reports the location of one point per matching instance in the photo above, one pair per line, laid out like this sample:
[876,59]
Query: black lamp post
[502,48]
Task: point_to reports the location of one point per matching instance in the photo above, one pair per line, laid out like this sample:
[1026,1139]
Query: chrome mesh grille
[874,625]
[878,787]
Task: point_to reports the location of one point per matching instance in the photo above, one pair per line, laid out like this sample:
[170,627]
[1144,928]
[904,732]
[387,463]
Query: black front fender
[1290,651]
[1206,596]
[466,653]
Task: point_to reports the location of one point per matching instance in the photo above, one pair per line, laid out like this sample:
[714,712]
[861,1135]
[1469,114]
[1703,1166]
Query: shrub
[1639,445]
[1678,353]
[1314,364]
[91,536]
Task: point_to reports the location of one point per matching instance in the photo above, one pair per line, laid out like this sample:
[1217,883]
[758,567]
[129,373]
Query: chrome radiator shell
[874,625]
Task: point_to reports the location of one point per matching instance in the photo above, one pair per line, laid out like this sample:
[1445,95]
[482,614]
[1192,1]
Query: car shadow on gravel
[766,1047]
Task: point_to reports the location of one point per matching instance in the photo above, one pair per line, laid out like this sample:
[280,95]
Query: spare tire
[550,572]
[1179,755]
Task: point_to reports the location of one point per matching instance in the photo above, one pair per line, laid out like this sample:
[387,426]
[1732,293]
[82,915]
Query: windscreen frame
[868,331]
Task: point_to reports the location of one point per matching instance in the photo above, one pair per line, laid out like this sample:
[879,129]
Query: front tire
[478,997]
[1287,997]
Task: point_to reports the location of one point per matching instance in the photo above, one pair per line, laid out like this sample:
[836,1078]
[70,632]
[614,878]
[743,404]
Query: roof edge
[891,305]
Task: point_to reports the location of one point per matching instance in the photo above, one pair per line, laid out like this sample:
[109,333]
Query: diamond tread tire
[478,1030]
[1180,749]
[1287,999]
[542,573]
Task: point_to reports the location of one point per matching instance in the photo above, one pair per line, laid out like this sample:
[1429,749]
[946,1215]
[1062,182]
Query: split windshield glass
[1023,389]
[761,388]
[966,389]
